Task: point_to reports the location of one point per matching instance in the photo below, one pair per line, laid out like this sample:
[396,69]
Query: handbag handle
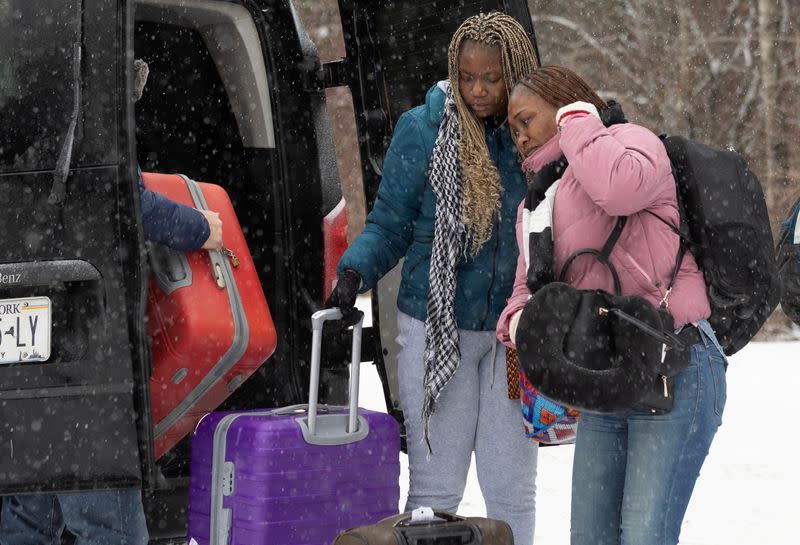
[602,255]
[443,515]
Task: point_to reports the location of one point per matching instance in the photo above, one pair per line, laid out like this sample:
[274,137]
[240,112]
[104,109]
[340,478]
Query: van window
[184,116]
[206,111]
[207,97]
[36,81]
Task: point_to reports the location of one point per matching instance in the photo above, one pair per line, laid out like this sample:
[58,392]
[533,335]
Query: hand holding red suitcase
[207,317]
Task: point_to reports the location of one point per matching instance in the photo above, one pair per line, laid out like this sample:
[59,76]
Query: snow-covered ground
[749,489]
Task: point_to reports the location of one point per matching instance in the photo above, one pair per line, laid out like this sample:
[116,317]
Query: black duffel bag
[599,352]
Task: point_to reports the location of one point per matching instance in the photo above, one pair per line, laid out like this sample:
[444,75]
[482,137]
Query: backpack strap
[684,243]
[685,240]
[602,255]
[675,271]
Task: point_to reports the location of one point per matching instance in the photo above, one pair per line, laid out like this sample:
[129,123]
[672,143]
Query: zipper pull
[664,349]
[230,255]
[665,300]
[219,280]
[664,382]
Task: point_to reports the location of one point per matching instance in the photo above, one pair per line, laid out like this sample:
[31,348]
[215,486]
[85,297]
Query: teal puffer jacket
[401,224]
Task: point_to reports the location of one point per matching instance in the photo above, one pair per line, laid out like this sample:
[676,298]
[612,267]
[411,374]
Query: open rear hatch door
[395,51]
[72,404]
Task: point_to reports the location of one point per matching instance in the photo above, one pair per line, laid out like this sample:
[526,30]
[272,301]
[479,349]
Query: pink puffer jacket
[621,170]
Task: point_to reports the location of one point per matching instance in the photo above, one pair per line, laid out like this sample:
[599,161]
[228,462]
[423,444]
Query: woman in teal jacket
[447,204]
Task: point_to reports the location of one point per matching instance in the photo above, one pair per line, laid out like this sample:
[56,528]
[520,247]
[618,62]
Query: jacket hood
[434,102]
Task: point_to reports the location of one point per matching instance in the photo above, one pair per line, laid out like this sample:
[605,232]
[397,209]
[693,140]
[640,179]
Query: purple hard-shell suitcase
[291,476]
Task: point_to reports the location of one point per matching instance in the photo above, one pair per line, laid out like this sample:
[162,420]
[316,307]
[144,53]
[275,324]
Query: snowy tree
[722,72]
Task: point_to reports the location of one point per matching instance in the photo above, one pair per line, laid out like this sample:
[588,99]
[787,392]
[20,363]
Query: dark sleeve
[792,227]
[790,285]
[389,226]
[789,260]
[172,224]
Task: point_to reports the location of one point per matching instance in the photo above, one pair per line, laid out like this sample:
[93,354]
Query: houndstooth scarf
[442,354]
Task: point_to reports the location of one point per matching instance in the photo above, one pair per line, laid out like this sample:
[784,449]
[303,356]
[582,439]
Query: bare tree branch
[589,39]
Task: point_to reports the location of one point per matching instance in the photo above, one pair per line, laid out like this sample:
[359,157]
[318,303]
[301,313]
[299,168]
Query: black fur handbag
[597,351]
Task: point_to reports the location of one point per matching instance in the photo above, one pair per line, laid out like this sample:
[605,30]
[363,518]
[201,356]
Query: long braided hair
[560,86]
[482,186]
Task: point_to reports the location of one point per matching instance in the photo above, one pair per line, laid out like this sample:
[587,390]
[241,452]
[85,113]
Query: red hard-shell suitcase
[207,317]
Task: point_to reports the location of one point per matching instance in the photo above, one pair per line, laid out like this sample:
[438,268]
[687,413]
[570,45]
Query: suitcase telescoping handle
[318,320]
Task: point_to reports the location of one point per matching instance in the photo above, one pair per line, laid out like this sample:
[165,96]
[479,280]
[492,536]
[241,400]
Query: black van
[236,97]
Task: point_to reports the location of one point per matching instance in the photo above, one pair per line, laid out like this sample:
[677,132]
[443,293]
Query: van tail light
[334,235]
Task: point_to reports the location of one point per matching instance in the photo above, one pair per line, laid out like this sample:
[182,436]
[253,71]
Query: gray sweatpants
[472,414]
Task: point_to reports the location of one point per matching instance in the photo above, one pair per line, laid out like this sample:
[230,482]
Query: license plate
[24,329]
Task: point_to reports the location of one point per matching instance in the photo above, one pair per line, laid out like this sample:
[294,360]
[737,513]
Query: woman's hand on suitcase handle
[344,296]
[214,240]
[337,344]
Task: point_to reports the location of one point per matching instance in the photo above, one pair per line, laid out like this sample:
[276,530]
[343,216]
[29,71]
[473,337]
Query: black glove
[343,297]
[337,353]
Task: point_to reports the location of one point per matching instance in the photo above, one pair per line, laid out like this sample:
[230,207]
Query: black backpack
[726,226]
[789,264]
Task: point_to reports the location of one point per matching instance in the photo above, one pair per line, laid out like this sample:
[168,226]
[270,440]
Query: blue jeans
[108,517]
[633,472]
[473,414]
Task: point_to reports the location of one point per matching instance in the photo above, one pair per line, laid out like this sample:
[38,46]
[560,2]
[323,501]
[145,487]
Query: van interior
[206,111]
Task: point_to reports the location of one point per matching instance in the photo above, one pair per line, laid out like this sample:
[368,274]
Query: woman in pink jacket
[633,472]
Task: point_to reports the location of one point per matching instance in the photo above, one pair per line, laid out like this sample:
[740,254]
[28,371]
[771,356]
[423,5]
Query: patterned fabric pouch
[545,421]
